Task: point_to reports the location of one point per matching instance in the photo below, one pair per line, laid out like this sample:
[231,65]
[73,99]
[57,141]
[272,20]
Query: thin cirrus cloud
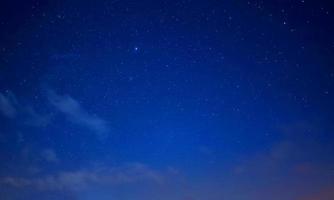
[82,179]
[50,155]
[71,108]
[7,105]
[74,112]
[36,119]
[13,109]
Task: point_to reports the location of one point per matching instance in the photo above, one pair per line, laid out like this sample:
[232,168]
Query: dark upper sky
[161,100]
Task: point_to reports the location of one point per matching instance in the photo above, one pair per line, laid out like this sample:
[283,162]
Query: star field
[157,100]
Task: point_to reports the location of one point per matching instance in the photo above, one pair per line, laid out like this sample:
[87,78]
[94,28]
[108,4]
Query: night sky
[167,100]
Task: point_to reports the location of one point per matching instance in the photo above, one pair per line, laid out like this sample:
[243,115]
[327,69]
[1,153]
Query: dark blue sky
[161,100]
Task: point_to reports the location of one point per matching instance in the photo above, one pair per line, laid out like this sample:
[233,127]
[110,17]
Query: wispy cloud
[7,104]
[11,108]
[50,155]
[82,179]
[34,118]
[71,108]
[76,113]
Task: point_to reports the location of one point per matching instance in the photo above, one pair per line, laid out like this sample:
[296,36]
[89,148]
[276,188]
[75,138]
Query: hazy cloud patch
[36,119]
[7,104]
[84,178]
[72,109]
[50,155]
[11,108]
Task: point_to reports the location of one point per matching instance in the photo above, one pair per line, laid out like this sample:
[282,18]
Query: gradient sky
[167,100]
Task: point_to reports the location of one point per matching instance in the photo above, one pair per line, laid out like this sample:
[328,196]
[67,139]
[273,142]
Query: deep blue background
[166,100]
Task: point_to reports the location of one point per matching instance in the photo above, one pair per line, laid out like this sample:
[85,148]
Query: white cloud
[7,102]
[74,112]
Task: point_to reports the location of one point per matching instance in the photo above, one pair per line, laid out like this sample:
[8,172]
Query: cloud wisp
[7,105]
[13,109]
[36,119]
[50,155]
[81,179]
[72,109]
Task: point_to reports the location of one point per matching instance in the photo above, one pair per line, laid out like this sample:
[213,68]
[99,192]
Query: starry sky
[167,99]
